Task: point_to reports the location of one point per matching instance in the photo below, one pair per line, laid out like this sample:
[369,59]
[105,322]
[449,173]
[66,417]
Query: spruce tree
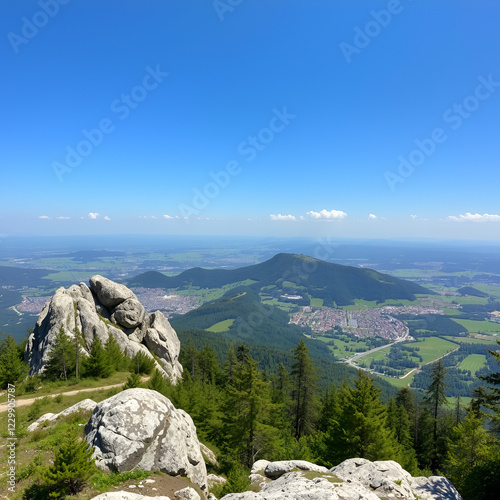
[97,364]
[158,383]
[61,357]
[304,388]
[114,355]
[361,430]
[435,397]
[12,368]
[247,401]
[73,465]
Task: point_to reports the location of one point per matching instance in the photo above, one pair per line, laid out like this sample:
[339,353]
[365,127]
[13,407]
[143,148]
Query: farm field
[432,348]
[341,351]
[221,326]
[473,363]
[487,327]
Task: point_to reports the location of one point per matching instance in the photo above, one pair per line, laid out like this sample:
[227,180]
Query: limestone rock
[276,469]
[130,313]
[208,455]
[353,479]
[259,465]
[187,494]
[126,495]
[214,480]
[109,293]
[91,312]
[434,488]
[85,405]
[141,429]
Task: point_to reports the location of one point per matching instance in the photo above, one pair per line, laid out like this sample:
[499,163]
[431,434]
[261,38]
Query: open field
[221,326]
[487,327]
[341,351]
[473,363]
[432,348]
[472,340]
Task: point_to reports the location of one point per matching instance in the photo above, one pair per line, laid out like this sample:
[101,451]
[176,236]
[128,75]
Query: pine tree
[73,466]
[247,401]
[61,357]
[490,396]
[304,399]
[470,448]
[158,383]
[230,364]
[435,397]
[12,367]
[97,364]
[114,355]
[361,429]
[133,381]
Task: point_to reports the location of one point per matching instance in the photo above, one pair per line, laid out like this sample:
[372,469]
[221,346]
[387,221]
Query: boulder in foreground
[141,429]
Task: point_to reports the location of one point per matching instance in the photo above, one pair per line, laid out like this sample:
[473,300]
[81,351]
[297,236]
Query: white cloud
[43,217]
[372,216]
[93,215]
[468,217]
[413,216]
[106,217]
[168,217]
[62,218]
[282,217]
[325,214]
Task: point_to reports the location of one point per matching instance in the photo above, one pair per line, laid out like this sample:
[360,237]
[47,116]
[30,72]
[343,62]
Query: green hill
[294,274]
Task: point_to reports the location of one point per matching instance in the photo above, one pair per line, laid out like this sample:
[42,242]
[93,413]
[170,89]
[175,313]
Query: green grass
[471,340]
[397,382]
[341,352]
[473,362]
[432,348]
[465,300]
[221,326]
[492,290]
[317,302]
[289,284]
[472,326]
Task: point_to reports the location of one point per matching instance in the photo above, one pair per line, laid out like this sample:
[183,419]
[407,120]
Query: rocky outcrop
[126,495]
[106,308]
[353,479]
[274,470]
[87,405]
[141,429]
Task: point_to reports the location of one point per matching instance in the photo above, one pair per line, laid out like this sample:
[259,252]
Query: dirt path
[25,402]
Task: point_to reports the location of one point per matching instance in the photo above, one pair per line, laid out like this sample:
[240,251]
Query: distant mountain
[299,275]
[474,292]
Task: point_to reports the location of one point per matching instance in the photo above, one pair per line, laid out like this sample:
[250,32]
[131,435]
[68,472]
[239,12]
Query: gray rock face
[85,405]
[140,428]
[187,494]
[129,313]
[109,293]
[126,495]
[353,479]
[276,469]
[107,308]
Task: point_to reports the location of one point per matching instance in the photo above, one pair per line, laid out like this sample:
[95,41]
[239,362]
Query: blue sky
[293,118]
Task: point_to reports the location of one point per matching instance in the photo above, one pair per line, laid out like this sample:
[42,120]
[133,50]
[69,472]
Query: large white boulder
[141,429]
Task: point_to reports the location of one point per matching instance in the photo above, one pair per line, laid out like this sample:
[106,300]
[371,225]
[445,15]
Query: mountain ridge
[334,283]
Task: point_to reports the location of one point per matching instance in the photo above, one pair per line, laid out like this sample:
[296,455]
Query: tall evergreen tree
[304,389]
[435,397]
[247,401]
[12,368]
[97,364]
[61,357]
[114,355]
